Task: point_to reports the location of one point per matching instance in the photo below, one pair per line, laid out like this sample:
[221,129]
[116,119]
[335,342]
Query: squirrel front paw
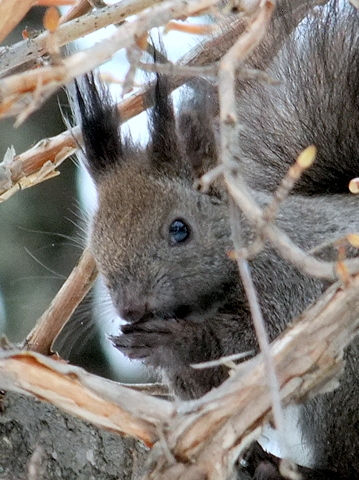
[151,340]
[174,345]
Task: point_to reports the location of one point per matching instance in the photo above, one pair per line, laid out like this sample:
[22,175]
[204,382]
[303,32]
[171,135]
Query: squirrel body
[162,247]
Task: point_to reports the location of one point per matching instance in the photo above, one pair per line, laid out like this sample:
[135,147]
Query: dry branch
[30,50]
[94,399]
[63,306]
[229,143]
[80,7]
[37,164]
[305,262]
[214,430]
[23,171]
[12,12]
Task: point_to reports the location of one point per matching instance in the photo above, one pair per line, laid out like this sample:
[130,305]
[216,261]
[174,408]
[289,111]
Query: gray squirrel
[162,246]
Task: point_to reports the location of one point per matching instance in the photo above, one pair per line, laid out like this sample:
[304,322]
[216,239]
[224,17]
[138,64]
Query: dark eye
[179,232]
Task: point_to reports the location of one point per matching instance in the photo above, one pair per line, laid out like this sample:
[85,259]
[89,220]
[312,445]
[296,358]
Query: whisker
[48,269]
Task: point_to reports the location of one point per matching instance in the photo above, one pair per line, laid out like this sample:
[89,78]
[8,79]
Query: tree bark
[39,441]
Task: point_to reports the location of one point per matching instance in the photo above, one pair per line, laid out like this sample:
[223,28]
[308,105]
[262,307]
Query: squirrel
[162,246]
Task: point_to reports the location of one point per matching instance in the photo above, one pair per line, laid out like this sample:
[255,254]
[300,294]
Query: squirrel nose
[133,313]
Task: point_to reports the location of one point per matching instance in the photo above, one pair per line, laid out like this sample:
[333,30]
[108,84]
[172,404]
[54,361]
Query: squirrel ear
[164,147]
[100,126]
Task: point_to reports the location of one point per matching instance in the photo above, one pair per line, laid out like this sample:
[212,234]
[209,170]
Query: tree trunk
[39,441]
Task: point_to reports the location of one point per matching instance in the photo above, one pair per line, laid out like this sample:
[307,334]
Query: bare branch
[263,341]
[94,399]
[63,306]
[303,161]
[229,143]
[81,7]
[58,148]
[29,50]
[12,12]
[38,163]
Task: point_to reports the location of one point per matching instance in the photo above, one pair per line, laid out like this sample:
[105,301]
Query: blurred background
[42,235]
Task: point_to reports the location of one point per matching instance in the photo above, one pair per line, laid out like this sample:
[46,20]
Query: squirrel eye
[179,232]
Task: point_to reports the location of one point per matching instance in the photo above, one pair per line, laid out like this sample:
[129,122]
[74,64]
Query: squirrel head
[161,245]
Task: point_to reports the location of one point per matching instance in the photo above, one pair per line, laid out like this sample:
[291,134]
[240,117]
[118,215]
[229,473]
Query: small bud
[343,273]
[307,157]
[142,41]
[193,29]
[353,239]
[354,185]
[231,254]
[51,19]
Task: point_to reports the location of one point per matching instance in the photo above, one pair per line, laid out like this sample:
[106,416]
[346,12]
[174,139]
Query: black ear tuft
[99,121]
[164,150]
[164,146]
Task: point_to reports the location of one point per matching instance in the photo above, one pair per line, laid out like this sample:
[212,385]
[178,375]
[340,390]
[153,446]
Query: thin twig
[261,332]
[175,69]
[229,145]
[305,262]
[63,145]
[81,7]
[228,359]
[304,160]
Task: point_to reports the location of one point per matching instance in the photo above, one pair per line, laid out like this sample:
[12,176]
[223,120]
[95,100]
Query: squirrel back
[316,102]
